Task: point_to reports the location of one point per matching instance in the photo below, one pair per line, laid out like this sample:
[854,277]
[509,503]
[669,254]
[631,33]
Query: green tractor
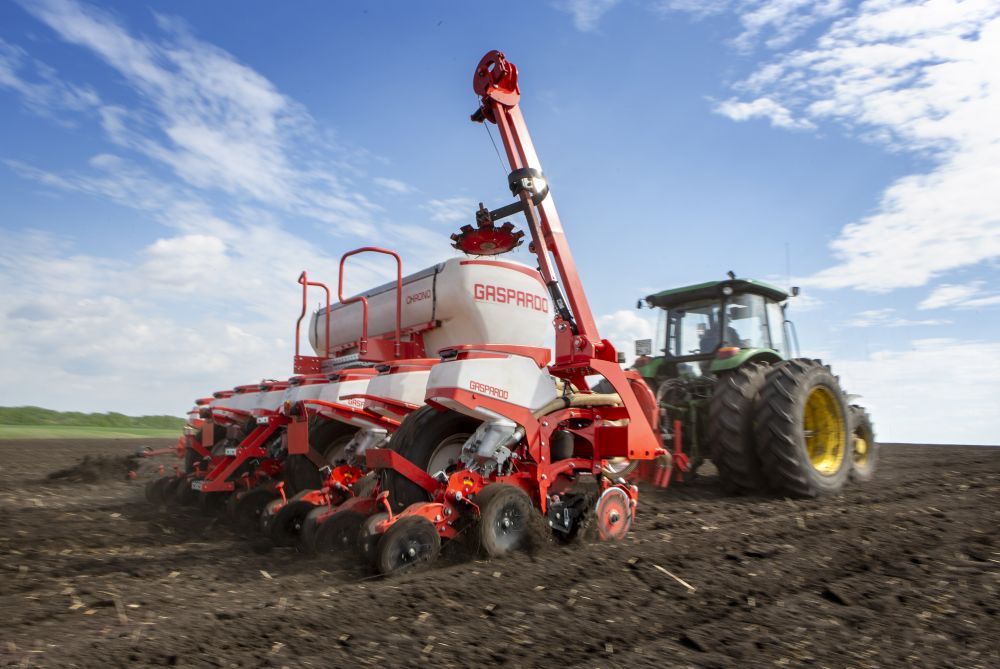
[728,377]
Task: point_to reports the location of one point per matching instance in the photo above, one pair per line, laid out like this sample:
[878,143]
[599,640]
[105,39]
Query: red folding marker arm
[577,339]
[579,349]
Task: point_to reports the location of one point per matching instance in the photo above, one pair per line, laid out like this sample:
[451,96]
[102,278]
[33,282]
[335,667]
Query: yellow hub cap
[824,431]
[860,450]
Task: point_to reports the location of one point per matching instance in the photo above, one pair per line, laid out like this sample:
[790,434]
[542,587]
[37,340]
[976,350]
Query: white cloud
[948,375]
[765,108]
[44,93]
[188,315]
[451,210]
[961,296]
[888,318]
[214,121]
[990,301]
[947,295]
[776,22]
[586,13]
[212,301]
[804,302]
[912,76]
[623,327]
[394,185]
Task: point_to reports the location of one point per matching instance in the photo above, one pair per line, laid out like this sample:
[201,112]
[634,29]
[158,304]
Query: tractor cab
[716,326]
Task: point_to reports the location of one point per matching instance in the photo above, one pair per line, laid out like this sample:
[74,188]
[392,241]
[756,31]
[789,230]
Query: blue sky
[168,168]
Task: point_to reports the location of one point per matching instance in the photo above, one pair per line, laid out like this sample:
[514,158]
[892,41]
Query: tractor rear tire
[802,429]
[866,449]
[326,437]
[426,438]
[730,427]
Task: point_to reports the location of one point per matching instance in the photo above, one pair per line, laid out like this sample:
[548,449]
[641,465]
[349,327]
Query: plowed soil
[900,572]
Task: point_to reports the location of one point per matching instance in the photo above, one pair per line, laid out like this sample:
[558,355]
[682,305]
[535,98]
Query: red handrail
[305,283]
[363,344]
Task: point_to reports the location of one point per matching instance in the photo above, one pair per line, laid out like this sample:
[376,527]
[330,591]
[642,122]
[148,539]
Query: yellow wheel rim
[824,431]
[860,450]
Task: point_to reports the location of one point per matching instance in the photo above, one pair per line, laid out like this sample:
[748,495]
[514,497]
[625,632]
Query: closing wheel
[169,493]
[286,525]
[185,495]
[368,538]
[410,543]
[212,503]
[801,429]
[865,447]
[504,525]
[310,526]
[339,533]
[267,515]
[248,507]
[154,489]
[613,515]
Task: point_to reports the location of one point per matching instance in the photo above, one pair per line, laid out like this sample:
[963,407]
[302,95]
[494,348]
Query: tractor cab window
[693,329]
[746,317]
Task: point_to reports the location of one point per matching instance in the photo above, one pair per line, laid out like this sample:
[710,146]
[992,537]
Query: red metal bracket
[307,364]
[385,458]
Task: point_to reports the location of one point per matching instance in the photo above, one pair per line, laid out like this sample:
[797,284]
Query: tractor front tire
[802,429]
[866,449]
[730,427]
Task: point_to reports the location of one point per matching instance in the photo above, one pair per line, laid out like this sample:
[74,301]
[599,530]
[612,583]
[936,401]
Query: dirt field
[904,571]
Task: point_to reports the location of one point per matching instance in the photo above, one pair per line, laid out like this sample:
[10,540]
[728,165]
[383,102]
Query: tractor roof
[713,290]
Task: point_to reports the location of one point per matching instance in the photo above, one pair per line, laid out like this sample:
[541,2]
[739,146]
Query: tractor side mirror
[621,358]
[638,304]
[795,291]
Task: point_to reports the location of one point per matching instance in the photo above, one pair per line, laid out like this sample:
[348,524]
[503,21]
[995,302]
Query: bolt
[505,522]
[412,552]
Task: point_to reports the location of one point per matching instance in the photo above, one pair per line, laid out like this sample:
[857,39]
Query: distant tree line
[40,416]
